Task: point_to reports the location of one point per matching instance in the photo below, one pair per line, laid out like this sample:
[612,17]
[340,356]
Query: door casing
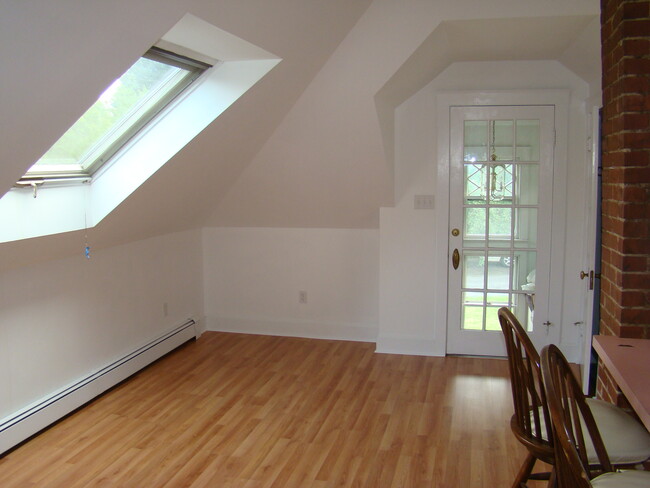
[444,101]
[491,343]
[590,253]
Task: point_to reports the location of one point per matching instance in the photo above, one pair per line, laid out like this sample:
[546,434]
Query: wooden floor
[246,411]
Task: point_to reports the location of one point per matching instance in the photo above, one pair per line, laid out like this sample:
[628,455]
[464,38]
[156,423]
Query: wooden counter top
[628,361]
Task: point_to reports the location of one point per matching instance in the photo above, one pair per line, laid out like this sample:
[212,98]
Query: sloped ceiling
[330,162]
[63,54]
[573,40]
[303,148]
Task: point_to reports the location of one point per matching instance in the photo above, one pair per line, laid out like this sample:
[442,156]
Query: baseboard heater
[34,418]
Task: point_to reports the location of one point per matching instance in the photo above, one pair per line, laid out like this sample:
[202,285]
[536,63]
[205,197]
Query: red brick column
[625,285]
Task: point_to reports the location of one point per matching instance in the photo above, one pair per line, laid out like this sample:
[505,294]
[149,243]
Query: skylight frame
[136,121]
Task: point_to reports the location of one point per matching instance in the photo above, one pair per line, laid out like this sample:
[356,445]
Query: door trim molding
[445,100]
[590,251]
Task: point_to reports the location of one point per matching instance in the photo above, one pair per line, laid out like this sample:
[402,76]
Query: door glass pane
[500,184]
[475,184]
[473,309]
[500,221]
[494,302]
[526,184]
[500,226]
[474,233]
[498,273]
[475,140]
[473,270]
[527,140]
[523,270]
[525,228]
[501,148]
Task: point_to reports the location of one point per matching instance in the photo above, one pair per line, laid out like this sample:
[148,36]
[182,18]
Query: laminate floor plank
[246,411]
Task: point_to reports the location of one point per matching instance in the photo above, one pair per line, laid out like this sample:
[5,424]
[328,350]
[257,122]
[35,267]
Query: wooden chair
[530,423]
[575,428]
[627,441]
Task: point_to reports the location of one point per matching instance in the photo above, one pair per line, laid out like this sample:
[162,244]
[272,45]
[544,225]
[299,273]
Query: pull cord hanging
[87,246]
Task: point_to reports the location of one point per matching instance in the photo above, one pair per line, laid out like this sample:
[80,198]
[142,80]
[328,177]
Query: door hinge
[548,325]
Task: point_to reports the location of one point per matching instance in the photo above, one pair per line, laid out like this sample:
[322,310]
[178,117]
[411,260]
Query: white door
[501,187]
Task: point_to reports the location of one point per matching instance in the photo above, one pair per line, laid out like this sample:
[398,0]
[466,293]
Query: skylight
[45,203]
[124,108]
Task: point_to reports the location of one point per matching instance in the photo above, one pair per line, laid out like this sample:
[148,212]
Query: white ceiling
[305,146]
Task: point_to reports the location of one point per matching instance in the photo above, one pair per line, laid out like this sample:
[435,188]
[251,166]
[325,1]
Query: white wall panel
[64,319]
[253,278]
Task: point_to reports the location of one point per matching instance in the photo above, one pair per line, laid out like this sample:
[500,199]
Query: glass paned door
[500,222]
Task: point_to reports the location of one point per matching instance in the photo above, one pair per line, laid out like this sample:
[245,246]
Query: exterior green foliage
[107,115]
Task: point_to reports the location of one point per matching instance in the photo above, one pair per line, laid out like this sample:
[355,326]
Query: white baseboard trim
[200,326]
[409,345]
[289,328]
[35,417]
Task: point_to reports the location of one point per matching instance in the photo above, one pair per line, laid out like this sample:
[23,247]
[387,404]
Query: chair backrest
[572,421]
[531,420]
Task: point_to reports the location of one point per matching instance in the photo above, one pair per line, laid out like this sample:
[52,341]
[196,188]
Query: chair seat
[626,440]
[622,479]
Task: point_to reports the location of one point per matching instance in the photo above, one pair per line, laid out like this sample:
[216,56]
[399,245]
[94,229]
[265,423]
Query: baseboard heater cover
[27,422]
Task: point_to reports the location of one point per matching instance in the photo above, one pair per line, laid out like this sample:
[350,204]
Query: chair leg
[524,471]
[552,481]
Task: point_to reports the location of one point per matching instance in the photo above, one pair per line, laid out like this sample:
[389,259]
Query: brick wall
[625,284]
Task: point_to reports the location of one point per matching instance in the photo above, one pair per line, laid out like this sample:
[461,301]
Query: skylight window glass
[124,108]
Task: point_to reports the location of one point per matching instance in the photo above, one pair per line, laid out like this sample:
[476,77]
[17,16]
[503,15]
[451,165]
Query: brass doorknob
[591,276]
[455,259]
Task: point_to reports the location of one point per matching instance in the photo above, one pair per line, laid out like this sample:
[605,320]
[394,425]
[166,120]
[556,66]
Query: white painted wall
[407,278]
[62,320]
[327,153]
[55,209]
[253,276]
[408,304]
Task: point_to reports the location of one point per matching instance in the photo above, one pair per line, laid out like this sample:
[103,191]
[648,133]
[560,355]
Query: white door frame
[491,343]
[589,251]
[444,101]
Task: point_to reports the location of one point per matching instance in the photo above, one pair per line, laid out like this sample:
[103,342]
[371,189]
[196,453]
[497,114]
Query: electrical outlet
[422,202]
[302,296]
